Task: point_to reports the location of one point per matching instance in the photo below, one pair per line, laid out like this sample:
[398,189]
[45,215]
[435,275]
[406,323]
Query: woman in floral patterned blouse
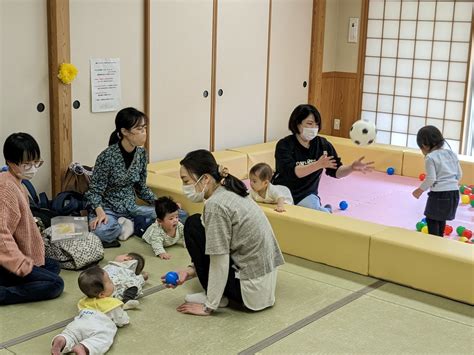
[119,177]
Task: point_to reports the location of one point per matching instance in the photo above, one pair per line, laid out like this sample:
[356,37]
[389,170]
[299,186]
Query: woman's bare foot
[58,345]
[80,349]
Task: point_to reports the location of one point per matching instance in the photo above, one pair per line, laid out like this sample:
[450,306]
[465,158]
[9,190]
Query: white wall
[340,55]
[24,77]
[104,29]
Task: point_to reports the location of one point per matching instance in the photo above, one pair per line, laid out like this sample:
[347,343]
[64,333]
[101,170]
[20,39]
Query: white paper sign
[105,84]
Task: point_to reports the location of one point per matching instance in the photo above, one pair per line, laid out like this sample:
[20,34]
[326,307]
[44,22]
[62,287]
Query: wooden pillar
[147,70]
[361,56]
[59,93]
[317,51]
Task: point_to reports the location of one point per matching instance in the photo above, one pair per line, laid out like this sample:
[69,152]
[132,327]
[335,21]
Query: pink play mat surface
[384,199]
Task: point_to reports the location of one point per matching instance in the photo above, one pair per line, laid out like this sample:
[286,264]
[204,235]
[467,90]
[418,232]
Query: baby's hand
[280,209]
[165,256]
[417,193]
[145,275]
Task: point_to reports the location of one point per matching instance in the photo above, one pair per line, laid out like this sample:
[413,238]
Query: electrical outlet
[337,123]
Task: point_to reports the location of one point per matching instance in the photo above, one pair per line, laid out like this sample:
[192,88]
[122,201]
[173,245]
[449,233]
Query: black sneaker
[113,244]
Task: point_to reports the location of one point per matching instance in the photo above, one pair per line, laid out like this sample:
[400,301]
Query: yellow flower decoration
[67,73]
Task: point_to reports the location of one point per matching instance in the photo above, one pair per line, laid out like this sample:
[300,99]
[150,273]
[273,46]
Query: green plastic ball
[420,225]
[459,230]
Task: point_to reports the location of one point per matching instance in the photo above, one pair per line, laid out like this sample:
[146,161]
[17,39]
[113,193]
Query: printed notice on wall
[105,84]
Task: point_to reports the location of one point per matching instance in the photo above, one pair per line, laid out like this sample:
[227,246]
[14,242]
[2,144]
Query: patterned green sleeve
[143,191]
[99,181]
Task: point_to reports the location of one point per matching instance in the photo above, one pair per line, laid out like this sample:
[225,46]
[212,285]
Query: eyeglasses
[140,129]
[37,164]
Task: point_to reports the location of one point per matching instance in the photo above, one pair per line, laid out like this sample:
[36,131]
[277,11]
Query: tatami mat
[158,326]
[372,326]
[426,303]
[45,313]
[391,318]
[326,274]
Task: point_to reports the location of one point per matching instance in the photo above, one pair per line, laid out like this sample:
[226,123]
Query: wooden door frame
[364,15]
[317,53]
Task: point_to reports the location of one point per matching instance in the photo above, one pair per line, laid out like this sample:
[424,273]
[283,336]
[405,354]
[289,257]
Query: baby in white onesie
[128,277]
[262,190]
[93,330]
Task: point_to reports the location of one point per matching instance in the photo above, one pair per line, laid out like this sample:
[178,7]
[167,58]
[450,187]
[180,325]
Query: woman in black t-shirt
[301,157]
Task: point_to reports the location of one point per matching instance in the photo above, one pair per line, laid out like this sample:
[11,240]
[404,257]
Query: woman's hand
[417,193]
[359,165]
[183,274]
[101,218]
[326,162]
[196,309]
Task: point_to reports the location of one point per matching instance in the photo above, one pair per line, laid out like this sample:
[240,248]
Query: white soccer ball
[363,132]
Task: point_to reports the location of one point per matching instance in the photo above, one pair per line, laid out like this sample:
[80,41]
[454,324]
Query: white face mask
[191,193]
[310,133]
[28,174]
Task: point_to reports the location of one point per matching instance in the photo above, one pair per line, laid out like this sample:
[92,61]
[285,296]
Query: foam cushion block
[236,163]
[259,153]
[428,263]
[317,236]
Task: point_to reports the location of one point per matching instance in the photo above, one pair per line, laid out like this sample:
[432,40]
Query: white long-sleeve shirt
[273,193]
[257,293]
[443,171]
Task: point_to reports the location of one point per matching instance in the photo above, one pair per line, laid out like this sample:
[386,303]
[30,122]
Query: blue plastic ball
[172,278]
[343,205]
[390,171]
[4,168]
[424,220]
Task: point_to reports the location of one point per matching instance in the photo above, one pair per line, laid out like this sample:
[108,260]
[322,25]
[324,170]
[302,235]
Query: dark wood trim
[146,73]
[268,68]
[213,76]
[364,20]
[339,74]
[317,52]
[59,94]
